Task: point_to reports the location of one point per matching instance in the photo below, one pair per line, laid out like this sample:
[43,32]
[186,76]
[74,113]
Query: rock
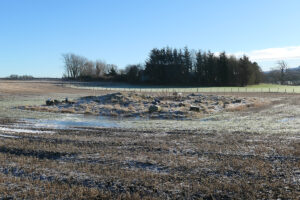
[155,101]
[154,108]
[181,104]
[49,102]
[237,101]
[56,102]
[71,102]
[195,108]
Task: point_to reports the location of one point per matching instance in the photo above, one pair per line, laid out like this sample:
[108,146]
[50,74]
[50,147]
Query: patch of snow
[8,136]
[12,130]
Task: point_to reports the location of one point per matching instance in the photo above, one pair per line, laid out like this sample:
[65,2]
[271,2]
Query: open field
[242,154]
[261,88]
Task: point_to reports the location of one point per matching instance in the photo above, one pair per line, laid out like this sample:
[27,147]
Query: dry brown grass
[254,105]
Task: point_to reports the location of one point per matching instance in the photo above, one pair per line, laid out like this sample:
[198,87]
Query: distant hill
[294,69]
[292,76]
[297,69]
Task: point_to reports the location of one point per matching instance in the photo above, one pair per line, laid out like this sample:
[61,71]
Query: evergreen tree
[222,76]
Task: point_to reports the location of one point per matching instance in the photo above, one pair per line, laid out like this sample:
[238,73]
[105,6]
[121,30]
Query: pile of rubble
[176,105]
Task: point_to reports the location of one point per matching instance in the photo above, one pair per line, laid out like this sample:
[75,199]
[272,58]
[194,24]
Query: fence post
[269,90]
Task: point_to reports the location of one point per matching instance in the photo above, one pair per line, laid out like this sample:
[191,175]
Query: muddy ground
[244,154]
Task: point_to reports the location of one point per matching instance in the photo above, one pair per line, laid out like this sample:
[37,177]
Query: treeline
[184,67]
[18,77]
[169,66]
[80,68]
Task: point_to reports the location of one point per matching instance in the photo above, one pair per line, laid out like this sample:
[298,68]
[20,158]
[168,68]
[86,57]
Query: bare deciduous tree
[73,65]
[101,68]
[282,67]
[88,69]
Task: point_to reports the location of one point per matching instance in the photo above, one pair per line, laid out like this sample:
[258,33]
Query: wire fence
[281,90]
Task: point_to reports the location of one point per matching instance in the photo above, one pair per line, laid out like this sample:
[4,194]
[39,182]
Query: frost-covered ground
[247,154]
[278,118]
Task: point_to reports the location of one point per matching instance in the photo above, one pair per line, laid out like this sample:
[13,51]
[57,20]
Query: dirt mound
[172,106]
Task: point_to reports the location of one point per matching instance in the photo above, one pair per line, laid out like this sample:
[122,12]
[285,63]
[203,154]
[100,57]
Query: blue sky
[35,33]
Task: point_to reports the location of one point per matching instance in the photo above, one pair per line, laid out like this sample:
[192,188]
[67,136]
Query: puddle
[77,121]
[287,119]
[73,121]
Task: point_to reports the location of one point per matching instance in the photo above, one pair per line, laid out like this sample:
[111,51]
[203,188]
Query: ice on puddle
[8,136]
[12,130]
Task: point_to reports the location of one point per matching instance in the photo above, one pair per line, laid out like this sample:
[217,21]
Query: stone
[237,101]
[49,102]
[181,104]
[56,102]
[154,108]
[195,108]
[155,101]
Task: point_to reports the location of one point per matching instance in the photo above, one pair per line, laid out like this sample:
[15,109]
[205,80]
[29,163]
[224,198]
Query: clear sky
[35,33]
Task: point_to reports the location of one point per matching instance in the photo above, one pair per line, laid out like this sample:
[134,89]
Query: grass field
[261,88]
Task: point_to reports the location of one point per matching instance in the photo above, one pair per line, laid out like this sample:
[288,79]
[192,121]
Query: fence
[282,90]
